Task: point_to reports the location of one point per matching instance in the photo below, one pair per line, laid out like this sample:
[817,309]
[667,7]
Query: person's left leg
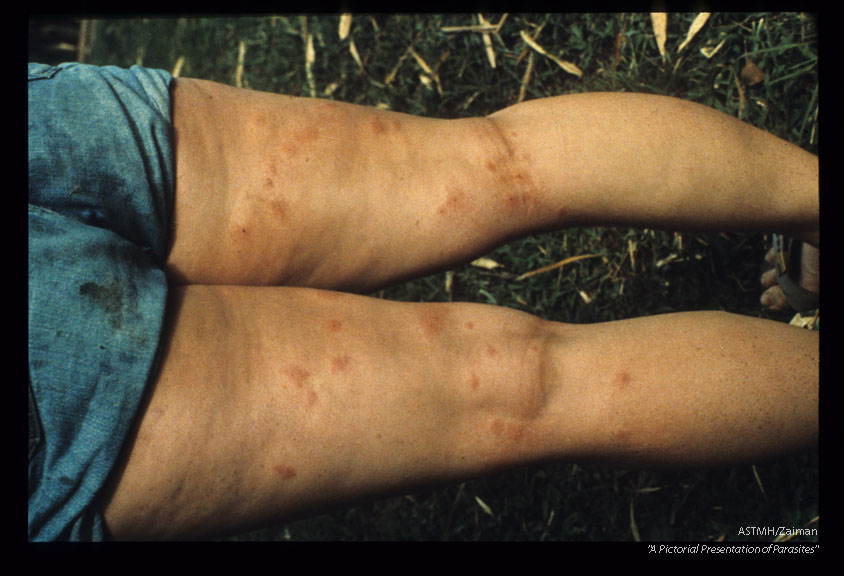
[275,403]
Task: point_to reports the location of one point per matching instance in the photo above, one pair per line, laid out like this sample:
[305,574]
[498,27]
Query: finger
[774,299]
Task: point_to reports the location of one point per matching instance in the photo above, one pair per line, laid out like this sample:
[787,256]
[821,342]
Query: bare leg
[288,191]
[273,403]
[653,161]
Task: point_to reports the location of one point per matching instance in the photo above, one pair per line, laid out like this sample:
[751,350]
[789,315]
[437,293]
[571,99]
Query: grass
[408,63]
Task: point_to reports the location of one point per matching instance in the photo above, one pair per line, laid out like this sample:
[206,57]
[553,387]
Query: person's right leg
[274,403]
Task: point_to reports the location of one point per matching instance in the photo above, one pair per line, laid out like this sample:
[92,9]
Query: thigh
[276,190]
[273,403]
[307,192]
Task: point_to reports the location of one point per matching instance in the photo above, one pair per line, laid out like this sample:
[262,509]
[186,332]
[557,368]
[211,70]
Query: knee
[511,367]
[514,404]
[497,362]
[533,351]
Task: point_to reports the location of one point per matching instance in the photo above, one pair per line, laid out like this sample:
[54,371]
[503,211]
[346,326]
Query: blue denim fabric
[101,177]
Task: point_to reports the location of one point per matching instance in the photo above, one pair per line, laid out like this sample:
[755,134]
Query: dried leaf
[633,528]
[475,28]
[526,79]
[667,260]
[421,62]
[310,53]
[751,73]
[618,44]
[631,251]
[391,76]
[483,505]
[649,490]
[660,23]
[345,26]
[532,43]
[807,322]
[758,480]
[241,55]
[697,24]
[177,68]
[310,56]
[556,265]
[354,52]
[486,263]
[490,53]
[567,66]
[710,52]
[436,73]
[742,99]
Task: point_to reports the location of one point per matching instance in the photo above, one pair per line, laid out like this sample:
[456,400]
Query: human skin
[279,396]
[276,190]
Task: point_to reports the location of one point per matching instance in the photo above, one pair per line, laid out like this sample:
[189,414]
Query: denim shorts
[101,177]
